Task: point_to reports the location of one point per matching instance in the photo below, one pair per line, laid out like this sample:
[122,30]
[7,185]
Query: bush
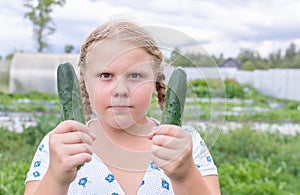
[211,88]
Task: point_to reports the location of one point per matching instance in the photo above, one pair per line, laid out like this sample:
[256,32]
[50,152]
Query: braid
[85,99]
[161,90]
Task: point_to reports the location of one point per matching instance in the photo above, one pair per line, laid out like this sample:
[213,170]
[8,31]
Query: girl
[121,150]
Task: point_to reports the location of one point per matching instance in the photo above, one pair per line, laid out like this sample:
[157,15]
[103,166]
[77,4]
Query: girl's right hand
[70,145]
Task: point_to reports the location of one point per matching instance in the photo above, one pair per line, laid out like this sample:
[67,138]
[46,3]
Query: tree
[69,48]
[248,65]
[246,55]
[10,56]
[290,51]
[219,59]
[39,14]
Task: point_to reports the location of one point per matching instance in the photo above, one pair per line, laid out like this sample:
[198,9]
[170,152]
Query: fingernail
[93,136]
[152,132]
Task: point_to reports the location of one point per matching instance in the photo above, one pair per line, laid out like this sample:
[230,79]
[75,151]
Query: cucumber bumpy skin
[175,98]
[69,94]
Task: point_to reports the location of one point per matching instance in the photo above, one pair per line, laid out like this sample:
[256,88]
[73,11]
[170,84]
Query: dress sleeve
[201,154]
[40,162]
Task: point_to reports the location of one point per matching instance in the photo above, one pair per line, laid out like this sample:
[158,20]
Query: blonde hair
[128,31]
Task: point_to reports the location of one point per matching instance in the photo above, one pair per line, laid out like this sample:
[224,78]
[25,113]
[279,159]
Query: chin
[122,123]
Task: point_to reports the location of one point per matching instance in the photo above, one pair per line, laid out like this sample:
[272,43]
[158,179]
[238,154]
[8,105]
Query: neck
[119,148]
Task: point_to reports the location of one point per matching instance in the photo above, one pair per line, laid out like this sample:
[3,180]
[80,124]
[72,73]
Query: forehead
[117,54]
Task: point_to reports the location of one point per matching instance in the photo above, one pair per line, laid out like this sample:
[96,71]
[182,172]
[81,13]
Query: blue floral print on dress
[41,147]
[110,178]
[82,181]
[208,159]
[153,166]
[37,163]
[114,193]
[165,184]
[202,143]
[36,174]
[143,182]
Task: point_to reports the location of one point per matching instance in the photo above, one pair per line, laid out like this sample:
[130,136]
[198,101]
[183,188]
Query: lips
[120,107]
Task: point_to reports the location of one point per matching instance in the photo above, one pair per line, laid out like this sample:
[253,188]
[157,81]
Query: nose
[121,89]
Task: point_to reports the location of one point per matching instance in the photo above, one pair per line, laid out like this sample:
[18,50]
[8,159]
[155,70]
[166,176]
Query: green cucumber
[69,94]
[175,98]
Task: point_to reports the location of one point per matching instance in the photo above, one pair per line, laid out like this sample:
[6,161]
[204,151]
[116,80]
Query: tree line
[249,60]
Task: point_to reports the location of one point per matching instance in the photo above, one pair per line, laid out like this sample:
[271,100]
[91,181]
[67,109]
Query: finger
[171,142]
[160,162]
[170,130]
[79,159]
[70,126]
[78,149]
[86,138]
[164,140]
[152,132]
[166,154]
[72,138]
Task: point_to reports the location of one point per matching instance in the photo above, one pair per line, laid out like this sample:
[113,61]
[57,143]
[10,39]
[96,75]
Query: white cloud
[219,26]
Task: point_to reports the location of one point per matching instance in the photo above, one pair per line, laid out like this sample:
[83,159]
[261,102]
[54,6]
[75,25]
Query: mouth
[120,107]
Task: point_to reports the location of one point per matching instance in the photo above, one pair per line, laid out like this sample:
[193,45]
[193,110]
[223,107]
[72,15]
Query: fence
[281,83]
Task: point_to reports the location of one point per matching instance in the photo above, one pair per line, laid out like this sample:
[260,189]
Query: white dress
[95,177]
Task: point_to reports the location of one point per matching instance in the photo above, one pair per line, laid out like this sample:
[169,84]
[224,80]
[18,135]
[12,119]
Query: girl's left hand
[172,151]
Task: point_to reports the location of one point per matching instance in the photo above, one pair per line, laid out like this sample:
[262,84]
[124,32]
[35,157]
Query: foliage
[251,162]
[250,60]
[243,103]
[15,156]
[204,88]
[69,48]
[190,59]
[29,102]
[248,65]
[39,14]
[12,175]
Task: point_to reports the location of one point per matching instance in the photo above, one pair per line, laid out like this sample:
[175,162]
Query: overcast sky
[218,26]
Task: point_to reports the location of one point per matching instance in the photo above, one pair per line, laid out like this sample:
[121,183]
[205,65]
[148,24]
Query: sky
[217,26]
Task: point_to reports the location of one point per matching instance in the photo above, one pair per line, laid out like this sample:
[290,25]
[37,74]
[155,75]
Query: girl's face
[120,82]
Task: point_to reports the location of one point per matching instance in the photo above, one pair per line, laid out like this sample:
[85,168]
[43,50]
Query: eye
[135,76]
[105,76]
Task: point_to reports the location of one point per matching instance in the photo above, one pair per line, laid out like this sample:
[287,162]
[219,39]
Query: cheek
[102,95]
[142,95]
[95,92]
[90,86]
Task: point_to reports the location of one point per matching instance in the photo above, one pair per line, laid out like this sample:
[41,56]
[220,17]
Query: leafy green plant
[248,177]
[252,162]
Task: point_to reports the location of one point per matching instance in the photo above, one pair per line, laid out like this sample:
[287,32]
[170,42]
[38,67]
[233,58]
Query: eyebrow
[143,72]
